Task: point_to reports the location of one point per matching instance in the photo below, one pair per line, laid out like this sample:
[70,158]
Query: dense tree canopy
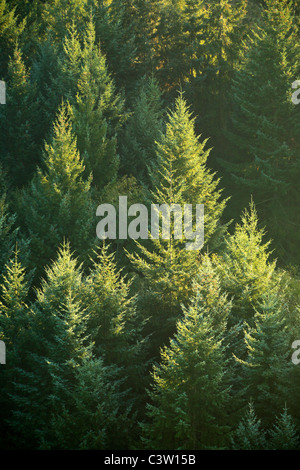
[155,338]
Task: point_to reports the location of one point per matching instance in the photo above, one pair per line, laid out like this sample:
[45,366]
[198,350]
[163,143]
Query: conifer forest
[132,341]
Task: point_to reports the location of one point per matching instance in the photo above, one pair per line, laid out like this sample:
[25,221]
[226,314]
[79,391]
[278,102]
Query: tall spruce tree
[180,176]
[98,111]
[284,434]
[59,15]
[169,45]
[117,43]
[18,151]
[213,31]
[245,266]
[180,146]
[249,434]
[190,389]
[138,20]
[264,122]
[97,414]
[113,320]
[265,370]
[8,231]
[57,344]
[15,323]
[57,203]
[143,128]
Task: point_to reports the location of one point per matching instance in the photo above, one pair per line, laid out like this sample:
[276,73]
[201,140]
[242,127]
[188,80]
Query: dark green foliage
[249,434]
[15,323]
[284,434]
[265,123]
[189,392]
[180,176]
[10,235]
[18,150]
[95,416]
[158,342]
[57,204]
[56,343]
[97,112]
[266,368]
[9,34]
[245,267]
[113,321]
[138,143]
[212,34]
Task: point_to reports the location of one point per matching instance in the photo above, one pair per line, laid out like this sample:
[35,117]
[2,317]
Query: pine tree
[138,149]
[8,232]
[264,122]
[247,273]
[260,92]
[46,79]
[10,235]
[181,146]
[249,434]
[138,20]
[207,287]
[169,44]
[57,344]
[97,414]
[113,321]
[59,15]
[190,389]
[245,267]
[98,111]
[15,322]
[10,31]
[75,70]
[18,150]
[213,31]
[179,177]
[117,43]
[284,435]
[266,369]
[57,204]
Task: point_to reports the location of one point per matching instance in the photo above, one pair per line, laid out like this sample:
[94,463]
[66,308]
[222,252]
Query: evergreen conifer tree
[9,33]
[266,369]
[18,150]
[249,434]
[264,122]
[98,111]
[190,388]
[284,435]
[57,344]
[180,176]
[15,324]
[97,414]
[57,203]
[113,320]
[138,148]
[245,267]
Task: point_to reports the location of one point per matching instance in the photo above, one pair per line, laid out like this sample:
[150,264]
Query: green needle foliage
[155,341]
[18,149]
[137,144]
[245,267]
[189,389]
[57,203]
[179,176]
[265,371]
[284,433]
[249,434]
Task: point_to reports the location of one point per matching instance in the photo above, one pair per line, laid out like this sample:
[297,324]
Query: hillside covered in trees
[144,344]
